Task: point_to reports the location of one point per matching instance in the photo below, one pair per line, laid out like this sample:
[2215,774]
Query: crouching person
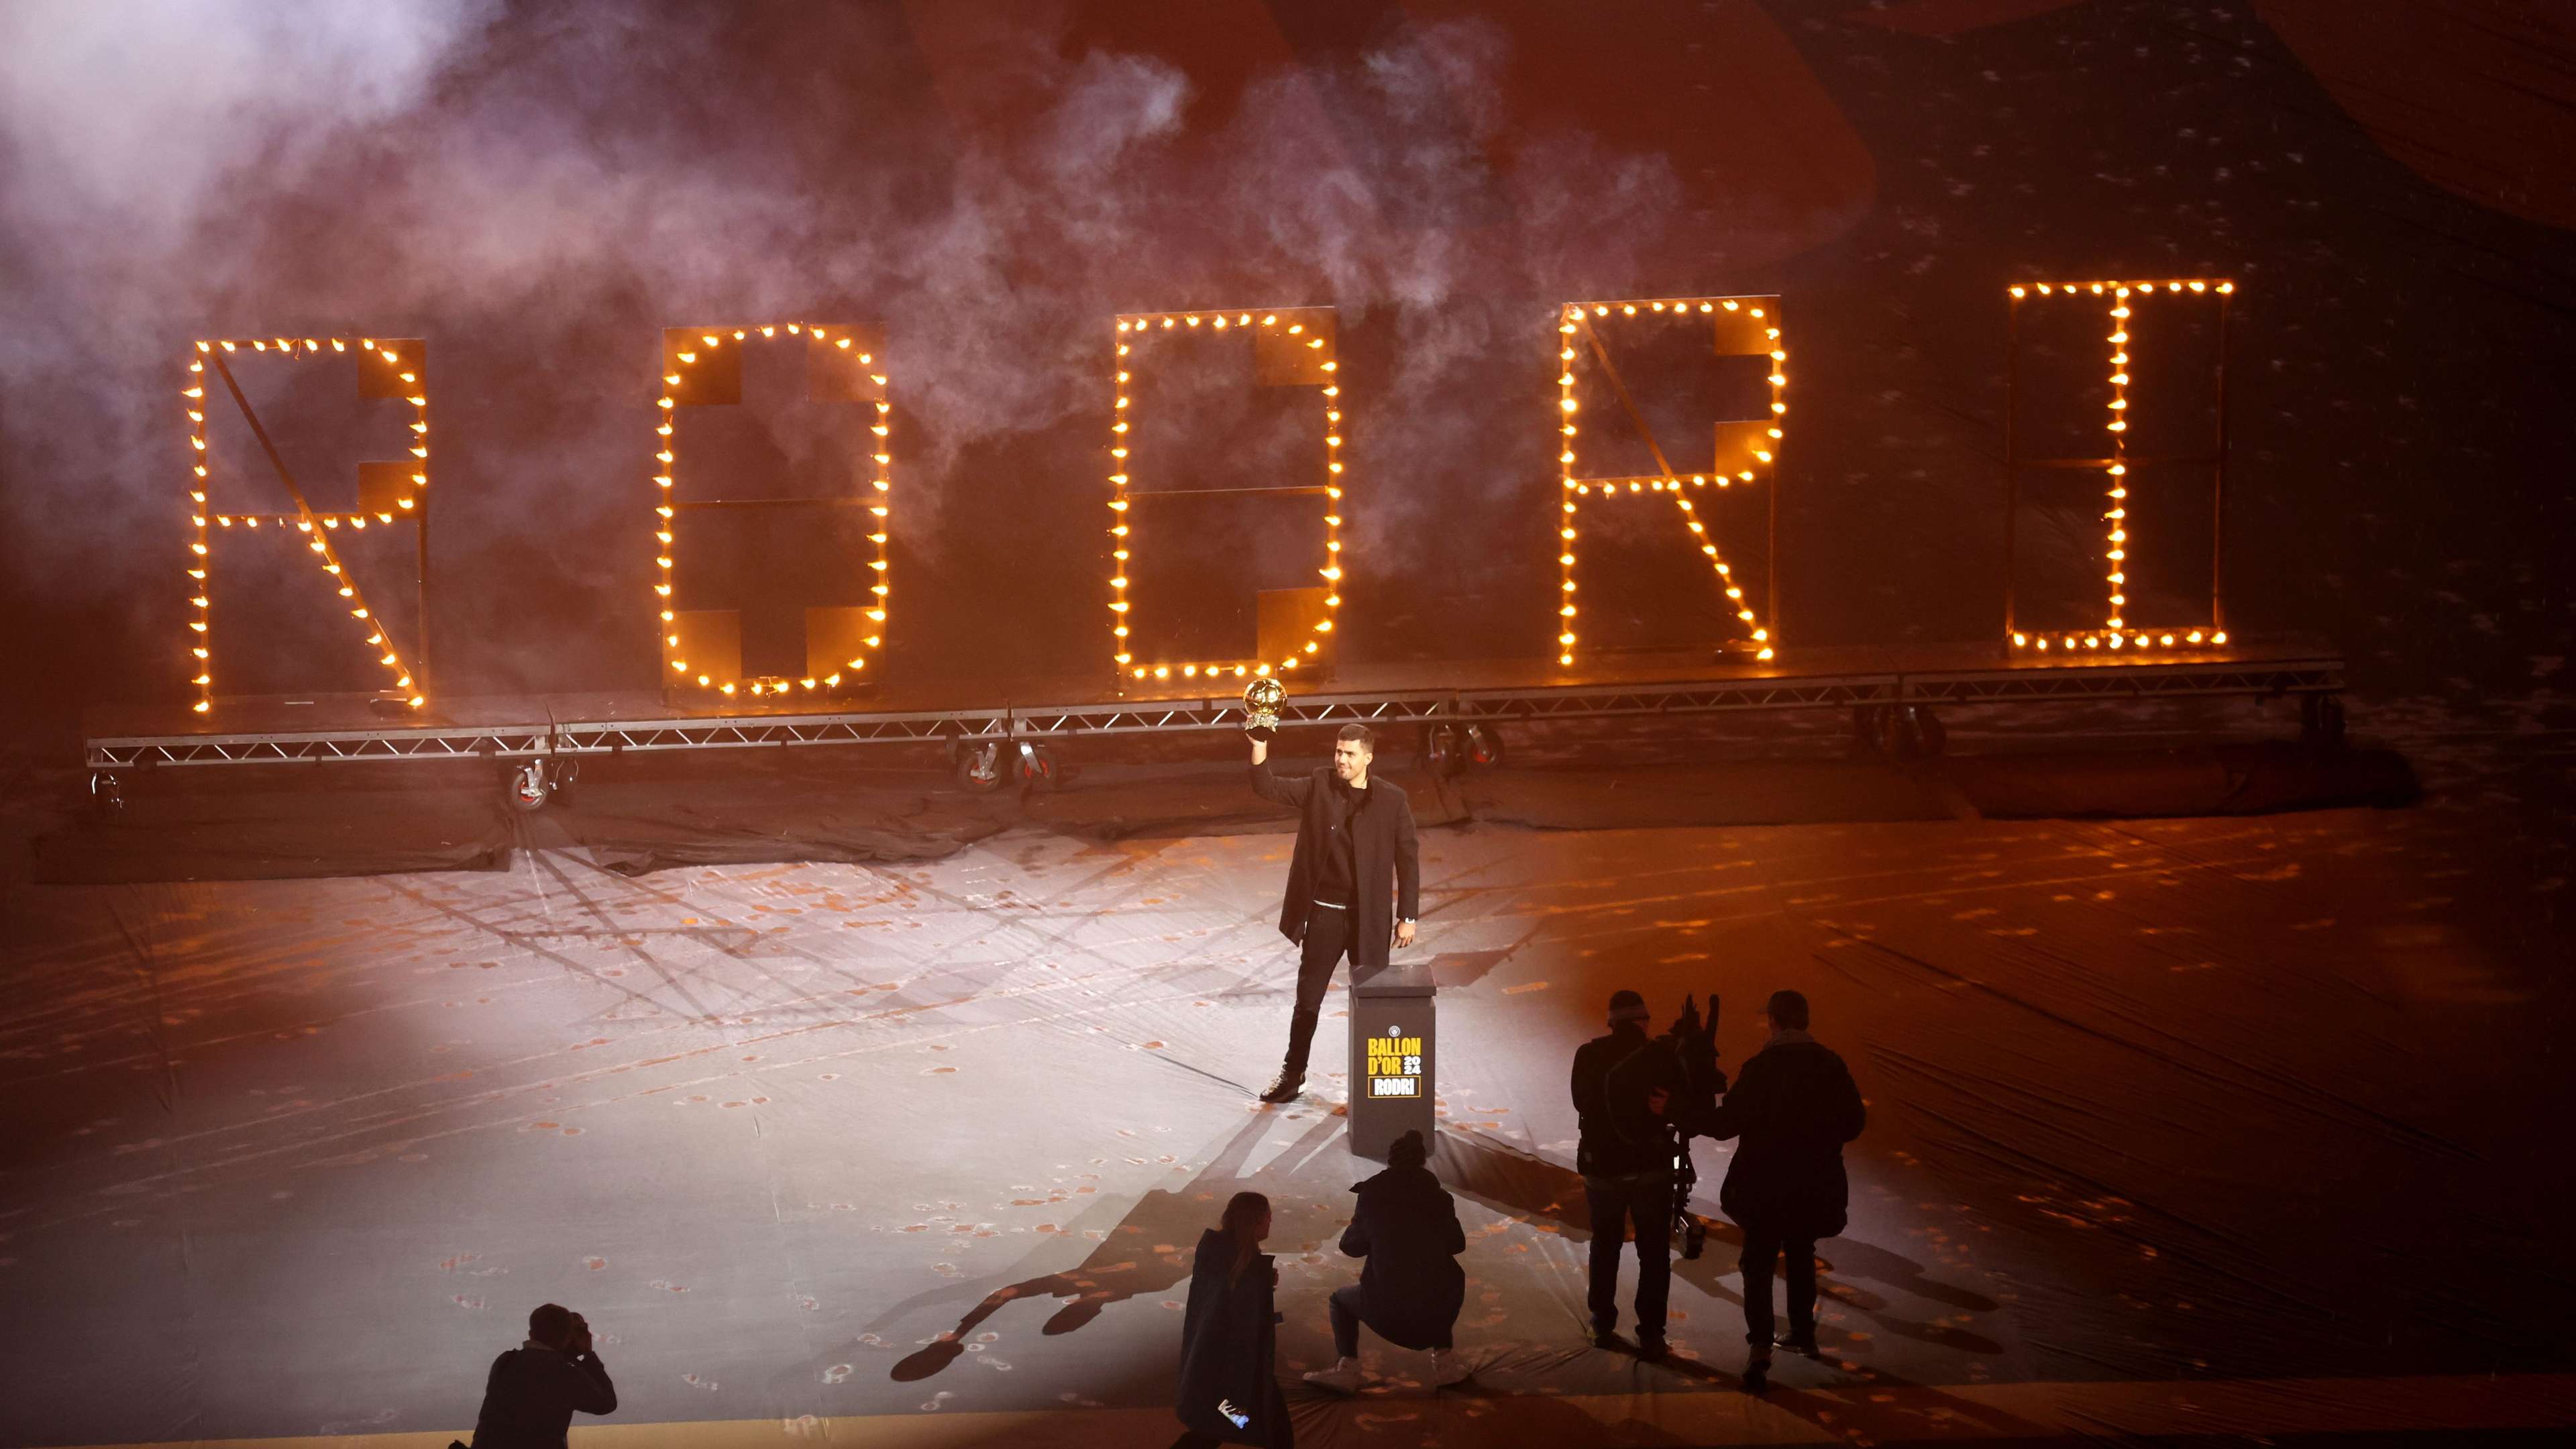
[1410,1291]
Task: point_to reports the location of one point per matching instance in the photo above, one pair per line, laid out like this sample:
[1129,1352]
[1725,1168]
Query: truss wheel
[979,766]
[1035,767]
[1866,724]
[106,793]
[1897,731]
[1443,751]
[526,785]
[1484,746]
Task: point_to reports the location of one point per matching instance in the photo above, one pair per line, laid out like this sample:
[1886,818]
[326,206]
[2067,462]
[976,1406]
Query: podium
[1394,1057]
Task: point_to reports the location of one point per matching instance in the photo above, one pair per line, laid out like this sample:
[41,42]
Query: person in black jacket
[1229,1335]
[1626,1157]
[534,1389]
[1795,1105]
[1406,1226]
[1355,849]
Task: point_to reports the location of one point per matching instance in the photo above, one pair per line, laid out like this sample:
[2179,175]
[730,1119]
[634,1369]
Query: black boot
[1757,1376]
[1285,1086]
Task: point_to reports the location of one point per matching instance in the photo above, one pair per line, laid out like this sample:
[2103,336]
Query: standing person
[1795,1105]
[533,1390]
[1406,1226]
[1229,1336]
[1355,849]
[1626,1157]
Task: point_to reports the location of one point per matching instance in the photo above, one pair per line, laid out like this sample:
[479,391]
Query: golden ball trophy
[1261,701]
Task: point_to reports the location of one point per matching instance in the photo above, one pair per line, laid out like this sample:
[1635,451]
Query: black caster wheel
[1443,750]
[1035,767]
[980,767]
[1866,724]
[1484,746]
[1931,739]
[526,786]
[560,775]
[1890,731]
[106,794]
[1898,738]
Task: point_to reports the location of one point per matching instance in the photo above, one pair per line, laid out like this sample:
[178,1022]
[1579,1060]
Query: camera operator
[534,1389]
[1623,1094]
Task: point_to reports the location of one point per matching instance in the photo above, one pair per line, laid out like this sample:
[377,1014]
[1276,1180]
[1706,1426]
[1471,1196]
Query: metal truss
[1227,713]
[2151,681]
[1704,697]
[508,742]
[576,737]
[627,737]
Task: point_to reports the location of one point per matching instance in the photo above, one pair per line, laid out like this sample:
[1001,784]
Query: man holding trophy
[1355,881]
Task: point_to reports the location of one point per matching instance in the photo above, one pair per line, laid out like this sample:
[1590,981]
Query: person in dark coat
[1625,1154]
[1794,1105]
[1229,1377]
[1355,850]
[1406,1226]
[534,1390]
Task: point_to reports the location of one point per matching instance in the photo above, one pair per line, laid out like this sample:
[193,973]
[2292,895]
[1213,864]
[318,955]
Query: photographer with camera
[534,1389]
[1624,1093]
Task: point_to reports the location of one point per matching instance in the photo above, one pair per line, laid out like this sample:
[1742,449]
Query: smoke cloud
[538,189]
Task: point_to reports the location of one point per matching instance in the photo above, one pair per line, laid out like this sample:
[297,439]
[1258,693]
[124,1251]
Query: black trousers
[1328,940]
[1643,1201]
[1761,1246]
[1349,1307]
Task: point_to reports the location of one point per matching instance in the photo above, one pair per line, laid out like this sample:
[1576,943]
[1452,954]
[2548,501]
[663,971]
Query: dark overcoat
[532,1393]
[1794,1105]
[1382,850]
[1228,1351]
[1619,1135]
[1406,1226]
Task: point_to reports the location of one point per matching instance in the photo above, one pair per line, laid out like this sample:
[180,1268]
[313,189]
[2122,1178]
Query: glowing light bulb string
[1765,639]
[1288,327]
[2117,631]
[318,540]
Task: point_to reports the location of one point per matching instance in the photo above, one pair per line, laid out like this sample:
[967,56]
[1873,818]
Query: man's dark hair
[1626,1006]
[1409,1150]
[1360,735]
[1787,1010]
[550,1323]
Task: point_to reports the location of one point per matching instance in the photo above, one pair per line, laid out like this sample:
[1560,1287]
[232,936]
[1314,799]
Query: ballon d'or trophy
[1261,701]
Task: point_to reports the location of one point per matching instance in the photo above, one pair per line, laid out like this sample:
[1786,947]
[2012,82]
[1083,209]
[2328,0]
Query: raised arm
[592,1393]
[1291,793]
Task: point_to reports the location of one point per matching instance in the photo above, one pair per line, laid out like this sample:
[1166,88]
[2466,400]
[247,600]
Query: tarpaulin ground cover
[2165,1113]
